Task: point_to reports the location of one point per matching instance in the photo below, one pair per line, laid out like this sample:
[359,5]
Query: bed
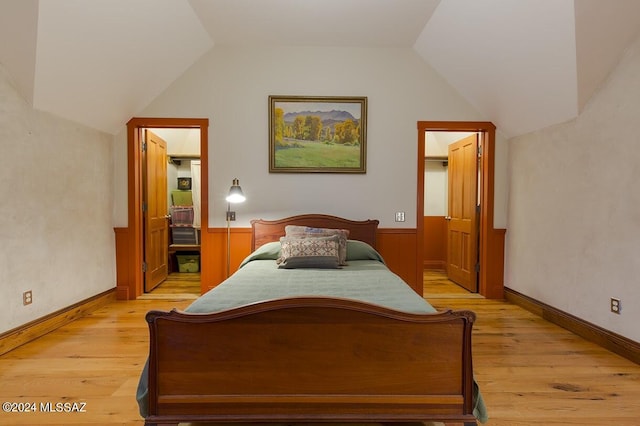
[347,344]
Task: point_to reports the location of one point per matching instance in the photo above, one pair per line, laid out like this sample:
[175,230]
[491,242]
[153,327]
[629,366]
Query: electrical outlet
[399,216]
[231,215]
[27,297]
[616,307]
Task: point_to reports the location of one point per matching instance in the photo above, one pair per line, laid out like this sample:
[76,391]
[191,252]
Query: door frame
[135,196]
[491,248]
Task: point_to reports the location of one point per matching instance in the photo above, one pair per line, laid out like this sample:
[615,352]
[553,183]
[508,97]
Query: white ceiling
[524,64]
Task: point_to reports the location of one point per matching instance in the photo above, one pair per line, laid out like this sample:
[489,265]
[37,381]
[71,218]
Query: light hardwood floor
[530,371]
[436,284]
[185,285]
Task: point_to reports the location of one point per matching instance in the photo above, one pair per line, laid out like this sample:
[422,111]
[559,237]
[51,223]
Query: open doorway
[179,254]
[451,209]
[136,136]
[490,241]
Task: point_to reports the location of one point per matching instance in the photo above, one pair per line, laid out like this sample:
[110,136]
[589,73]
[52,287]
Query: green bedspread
[365,278]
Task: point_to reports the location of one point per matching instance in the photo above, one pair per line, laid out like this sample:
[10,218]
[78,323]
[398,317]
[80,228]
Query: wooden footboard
[312,360]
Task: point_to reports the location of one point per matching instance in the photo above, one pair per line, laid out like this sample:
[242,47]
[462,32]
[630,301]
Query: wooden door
[156,223]
[462,228]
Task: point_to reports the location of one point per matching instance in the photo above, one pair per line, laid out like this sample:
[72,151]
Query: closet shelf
[177,158]
[440,159]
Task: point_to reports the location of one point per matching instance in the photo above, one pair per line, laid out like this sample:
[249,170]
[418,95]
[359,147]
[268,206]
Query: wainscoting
[435,242]
[398,246]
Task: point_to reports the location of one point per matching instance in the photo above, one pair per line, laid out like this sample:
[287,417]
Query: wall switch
[27,297]
[616,307]
[399,216]
[231,216]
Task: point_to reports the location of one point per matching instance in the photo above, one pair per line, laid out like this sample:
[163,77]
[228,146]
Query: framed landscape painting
[317,134]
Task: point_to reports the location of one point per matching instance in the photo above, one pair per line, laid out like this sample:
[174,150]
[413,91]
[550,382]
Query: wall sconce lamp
[235,196]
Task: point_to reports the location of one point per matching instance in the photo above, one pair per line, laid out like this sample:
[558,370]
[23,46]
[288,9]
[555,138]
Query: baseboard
[439,265]
[37,328]
[611,341]
[122,292]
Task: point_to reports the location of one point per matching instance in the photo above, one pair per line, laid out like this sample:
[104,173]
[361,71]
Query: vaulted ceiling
[524,64]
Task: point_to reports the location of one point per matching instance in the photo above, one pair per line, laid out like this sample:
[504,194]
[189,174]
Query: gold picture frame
[317,134]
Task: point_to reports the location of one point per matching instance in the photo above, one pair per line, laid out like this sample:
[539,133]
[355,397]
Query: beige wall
[573,238]
[56,229]
[231,88]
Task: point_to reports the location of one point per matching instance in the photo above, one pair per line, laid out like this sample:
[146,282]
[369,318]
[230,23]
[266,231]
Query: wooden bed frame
[310,359]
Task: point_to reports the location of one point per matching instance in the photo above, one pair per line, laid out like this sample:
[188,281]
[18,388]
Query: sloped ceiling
[524,64]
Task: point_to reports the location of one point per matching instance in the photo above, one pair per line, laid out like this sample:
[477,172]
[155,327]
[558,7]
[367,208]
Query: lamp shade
[235,193]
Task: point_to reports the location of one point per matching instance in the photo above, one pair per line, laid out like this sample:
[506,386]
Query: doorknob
[447,218]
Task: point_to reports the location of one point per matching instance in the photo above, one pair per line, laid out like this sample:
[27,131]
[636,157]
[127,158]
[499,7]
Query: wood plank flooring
[436,284]
[185,285]
[530,371]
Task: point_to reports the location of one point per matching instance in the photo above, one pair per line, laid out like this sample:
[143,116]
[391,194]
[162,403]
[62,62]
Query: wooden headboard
[266,231]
